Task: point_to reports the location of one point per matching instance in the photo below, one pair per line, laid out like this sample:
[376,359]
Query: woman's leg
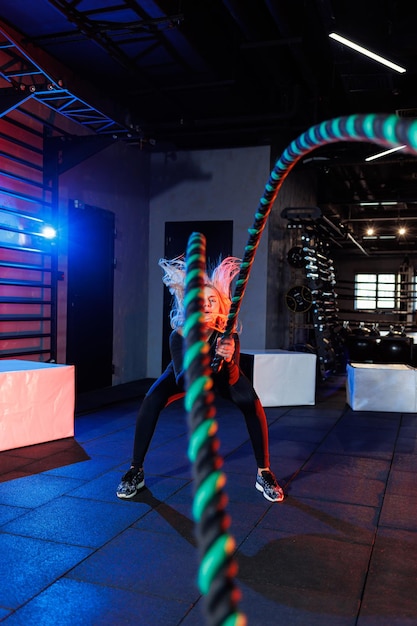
[243,395]
[152,405]
[245,398]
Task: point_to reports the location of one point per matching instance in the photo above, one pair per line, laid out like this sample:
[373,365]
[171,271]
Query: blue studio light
[48,232]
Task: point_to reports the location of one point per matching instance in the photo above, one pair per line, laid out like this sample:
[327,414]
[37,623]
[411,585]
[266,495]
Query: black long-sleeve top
[229,372]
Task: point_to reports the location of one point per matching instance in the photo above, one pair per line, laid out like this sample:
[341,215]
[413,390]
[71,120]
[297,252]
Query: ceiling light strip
[367,53]
[381,203]
[381,154]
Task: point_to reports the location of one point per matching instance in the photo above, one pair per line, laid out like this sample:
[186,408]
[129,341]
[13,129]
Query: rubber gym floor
[341,550]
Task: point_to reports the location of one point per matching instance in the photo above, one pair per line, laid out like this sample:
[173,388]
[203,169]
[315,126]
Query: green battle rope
[216,545]
[387,130]
[217,566]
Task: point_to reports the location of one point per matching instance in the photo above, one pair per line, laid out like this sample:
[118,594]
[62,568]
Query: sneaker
[267,483]
[132,481]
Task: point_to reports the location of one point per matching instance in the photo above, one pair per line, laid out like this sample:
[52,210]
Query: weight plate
[298,299]
[295,257]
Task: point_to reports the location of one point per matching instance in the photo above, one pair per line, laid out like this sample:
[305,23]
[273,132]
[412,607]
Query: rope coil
[216,545]
[386,130]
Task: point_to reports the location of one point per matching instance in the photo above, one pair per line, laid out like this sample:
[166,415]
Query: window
[376,291]
[414,294]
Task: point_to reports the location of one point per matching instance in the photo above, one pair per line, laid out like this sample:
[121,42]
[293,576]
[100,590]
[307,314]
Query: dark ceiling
[195,74]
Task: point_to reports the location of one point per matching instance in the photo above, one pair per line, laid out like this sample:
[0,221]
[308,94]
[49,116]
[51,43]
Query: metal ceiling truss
[27,78]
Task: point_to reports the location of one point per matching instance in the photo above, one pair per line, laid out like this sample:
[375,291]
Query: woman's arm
[230,350]
[230,368]
[236,356]
[176,347]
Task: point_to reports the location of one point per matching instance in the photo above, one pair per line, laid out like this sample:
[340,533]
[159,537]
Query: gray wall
[116,179]
[209,185]
[146,191]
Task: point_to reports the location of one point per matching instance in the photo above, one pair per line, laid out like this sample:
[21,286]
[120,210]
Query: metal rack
[321,280]
[315,295]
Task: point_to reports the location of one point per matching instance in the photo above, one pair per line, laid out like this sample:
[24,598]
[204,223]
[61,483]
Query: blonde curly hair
[218,278]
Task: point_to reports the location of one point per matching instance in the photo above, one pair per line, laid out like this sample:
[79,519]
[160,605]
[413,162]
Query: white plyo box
[385,387]
[37,402]
[283,377]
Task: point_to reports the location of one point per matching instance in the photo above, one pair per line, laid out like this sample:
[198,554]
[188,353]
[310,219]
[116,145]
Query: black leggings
[242,394]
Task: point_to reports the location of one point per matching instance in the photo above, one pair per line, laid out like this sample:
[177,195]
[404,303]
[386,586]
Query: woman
[229,382]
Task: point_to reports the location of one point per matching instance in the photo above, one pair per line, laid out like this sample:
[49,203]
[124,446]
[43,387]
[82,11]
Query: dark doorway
[219,244]
[90,295]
